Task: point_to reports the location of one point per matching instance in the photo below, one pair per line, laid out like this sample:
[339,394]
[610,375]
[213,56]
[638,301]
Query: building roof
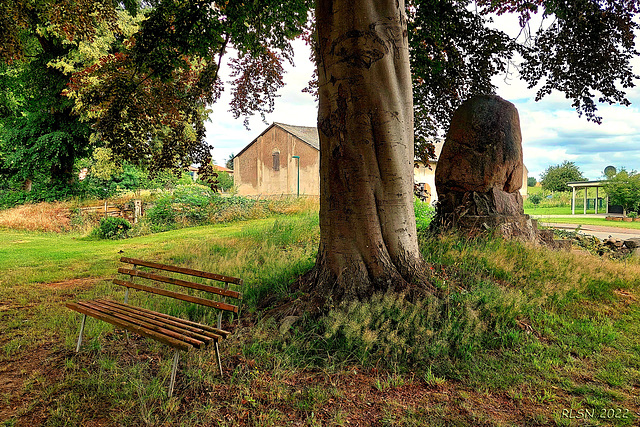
[585,183]
[216,168]
[309,135]
[219,168]
[306,134]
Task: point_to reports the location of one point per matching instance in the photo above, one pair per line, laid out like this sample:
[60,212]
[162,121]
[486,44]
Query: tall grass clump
[49,217]
[391,330]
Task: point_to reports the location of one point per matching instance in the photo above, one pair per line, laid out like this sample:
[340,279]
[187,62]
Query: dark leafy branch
[583,50]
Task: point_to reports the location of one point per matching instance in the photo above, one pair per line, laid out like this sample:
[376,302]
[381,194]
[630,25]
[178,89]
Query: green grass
[549,210]
[529,330]
[32,257]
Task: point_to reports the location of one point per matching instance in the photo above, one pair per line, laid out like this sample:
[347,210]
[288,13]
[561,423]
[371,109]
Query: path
[601,232]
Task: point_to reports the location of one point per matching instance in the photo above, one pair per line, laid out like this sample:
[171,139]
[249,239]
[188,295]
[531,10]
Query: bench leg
[174,370]
[218,356]
[84,319]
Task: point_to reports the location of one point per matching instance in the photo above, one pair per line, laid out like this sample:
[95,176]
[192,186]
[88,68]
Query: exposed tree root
[320,290]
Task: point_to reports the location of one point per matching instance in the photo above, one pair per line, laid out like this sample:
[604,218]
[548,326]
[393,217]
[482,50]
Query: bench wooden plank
[172,326]
[216,331]
[183,270]
[177,295]
[147,325]
[130,327]
[179,282]
[153,316]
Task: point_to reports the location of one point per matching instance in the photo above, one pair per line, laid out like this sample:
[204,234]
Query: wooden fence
[106,210]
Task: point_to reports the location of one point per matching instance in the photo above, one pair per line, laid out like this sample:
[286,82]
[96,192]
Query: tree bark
[368,239]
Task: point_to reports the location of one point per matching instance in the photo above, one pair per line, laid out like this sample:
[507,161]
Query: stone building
[267,165]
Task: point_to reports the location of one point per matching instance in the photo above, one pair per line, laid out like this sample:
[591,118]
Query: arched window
[276,161]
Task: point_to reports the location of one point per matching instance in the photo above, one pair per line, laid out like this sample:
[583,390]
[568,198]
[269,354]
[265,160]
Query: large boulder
[482,157]
[480,168]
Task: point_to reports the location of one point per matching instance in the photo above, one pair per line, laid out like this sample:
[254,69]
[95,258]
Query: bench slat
[147,325]
[130,327]
[177,295]
[167,324]
[216,331]
[179,282]
[200,329]
[183,270]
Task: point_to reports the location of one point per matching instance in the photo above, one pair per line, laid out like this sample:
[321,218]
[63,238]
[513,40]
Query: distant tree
[104,166]
[229,162]
[555,178]
[531,181]
[535,199]
[623,189]
[39,137]
[225,181]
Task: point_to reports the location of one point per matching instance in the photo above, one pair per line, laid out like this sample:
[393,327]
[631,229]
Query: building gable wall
[254,171]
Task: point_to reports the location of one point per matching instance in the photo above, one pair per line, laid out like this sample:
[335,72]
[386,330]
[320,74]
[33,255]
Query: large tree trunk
[368,237]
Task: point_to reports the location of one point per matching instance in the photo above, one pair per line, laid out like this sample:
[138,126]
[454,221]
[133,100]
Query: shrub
[161,215]
[632,214]
[186,205]
[191,202]
[424,214]
[225,182]
[535,199]
[112,228]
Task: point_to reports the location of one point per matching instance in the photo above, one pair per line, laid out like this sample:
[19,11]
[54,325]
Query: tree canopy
[46,42]
[555,178]
[623,189]
[146,98]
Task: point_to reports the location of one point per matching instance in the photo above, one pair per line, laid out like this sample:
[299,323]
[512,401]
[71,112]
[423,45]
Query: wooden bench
[178,333]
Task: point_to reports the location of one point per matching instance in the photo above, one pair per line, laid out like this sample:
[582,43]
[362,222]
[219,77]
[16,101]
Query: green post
[298,157]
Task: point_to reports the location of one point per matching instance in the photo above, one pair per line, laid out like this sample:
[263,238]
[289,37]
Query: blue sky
[552,132]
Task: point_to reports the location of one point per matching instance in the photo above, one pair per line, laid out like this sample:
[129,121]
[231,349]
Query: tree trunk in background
[368,239]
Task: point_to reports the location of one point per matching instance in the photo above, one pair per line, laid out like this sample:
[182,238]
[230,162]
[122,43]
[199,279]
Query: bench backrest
[224,291]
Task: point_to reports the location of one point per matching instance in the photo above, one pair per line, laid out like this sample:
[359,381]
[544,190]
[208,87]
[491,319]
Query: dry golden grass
[290,205]
[37,217]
